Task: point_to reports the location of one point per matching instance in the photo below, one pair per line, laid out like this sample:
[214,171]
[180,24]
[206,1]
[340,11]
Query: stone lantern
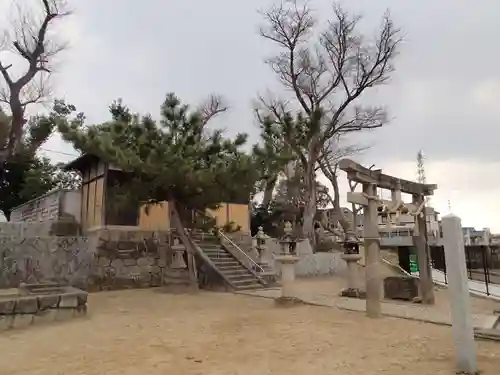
[178,258]
[261,238]
[287,259]
[352,257]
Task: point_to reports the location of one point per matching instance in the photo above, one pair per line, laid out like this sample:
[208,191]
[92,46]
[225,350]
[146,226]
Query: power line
[58,152]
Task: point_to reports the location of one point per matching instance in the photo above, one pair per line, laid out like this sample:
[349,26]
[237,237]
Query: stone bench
[40,303]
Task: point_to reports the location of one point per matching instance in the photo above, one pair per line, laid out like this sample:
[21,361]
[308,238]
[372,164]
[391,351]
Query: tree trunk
[179,227]
[354,216]
[336,205]
[16,124]
[268,192]
[310,206]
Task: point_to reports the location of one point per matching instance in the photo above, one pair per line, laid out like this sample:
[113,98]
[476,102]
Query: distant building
[473,236]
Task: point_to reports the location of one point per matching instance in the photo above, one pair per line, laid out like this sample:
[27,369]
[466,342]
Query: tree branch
[211,108]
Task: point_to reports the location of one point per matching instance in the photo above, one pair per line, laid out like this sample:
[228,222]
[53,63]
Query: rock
[7,307]
[288,301]
[69,300]
[353,293]
[401,287]
[47,302]
[26,306]
[417,300]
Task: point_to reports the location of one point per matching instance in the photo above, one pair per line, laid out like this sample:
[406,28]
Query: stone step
[253,280]
[226,261]
[249,286]
[233,269]
[241,278]
[220,256]
[209,246]
[216,251]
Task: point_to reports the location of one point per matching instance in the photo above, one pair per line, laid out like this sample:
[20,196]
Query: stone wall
[65,226]
[310,264]
[107,259]
[134,259]
[67,260]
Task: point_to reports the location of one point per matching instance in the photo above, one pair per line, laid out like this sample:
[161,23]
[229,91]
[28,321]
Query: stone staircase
[238,276]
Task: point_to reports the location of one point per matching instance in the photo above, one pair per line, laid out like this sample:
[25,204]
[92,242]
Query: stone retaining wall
[66,260]
[133,259]
[106,259]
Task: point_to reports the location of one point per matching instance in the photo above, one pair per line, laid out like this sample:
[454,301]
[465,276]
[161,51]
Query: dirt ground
[150,332]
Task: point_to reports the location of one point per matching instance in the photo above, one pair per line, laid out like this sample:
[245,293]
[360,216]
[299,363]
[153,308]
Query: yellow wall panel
[220,215]
[156,218]
[240,215]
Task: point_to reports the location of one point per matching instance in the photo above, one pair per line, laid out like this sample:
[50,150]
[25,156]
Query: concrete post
[462,328]
[372,250]
[422,248]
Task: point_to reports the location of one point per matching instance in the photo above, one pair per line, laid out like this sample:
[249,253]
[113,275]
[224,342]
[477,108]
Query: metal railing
[483,266]
[240,250]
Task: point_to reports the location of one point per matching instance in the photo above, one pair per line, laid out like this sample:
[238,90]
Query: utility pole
[421,172]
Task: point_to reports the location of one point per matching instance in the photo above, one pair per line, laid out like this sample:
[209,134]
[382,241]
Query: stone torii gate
[368,199]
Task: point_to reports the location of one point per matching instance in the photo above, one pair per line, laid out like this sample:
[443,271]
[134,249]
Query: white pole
[462,328]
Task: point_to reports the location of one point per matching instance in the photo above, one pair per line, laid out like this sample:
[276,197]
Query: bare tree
[213,106]
[326,73]
[31,41]
[332,152]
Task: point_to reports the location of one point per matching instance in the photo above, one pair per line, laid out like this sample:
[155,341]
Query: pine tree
[175,159]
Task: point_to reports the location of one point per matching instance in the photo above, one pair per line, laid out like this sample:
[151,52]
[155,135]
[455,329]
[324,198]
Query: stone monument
[458,285]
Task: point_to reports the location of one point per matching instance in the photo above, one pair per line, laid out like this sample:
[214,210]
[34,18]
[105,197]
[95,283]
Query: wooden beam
[357,173]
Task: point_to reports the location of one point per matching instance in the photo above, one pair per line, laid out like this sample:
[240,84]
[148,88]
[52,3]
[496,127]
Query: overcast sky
[443,98]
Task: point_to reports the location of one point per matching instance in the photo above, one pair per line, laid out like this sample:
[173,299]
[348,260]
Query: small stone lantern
[287,259]
[178,258]
[261,243]
[352,257]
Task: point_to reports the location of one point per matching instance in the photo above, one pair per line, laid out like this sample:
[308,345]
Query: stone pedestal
[352,289]
[178,258]
[287,265]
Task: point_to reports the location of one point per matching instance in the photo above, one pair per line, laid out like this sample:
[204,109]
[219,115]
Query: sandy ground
[149,332]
